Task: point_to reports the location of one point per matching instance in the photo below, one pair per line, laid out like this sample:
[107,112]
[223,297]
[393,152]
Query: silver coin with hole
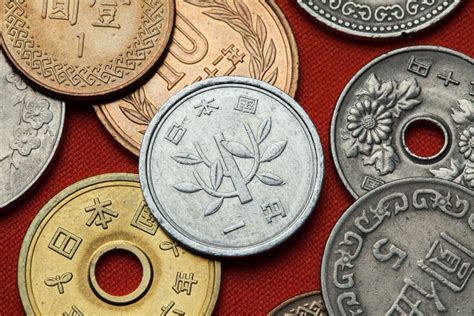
[231,166]
[379,18]
[393,93]
[30,129]
[406,248]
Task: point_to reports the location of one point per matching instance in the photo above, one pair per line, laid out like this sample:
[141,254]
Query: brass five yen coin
[86,48]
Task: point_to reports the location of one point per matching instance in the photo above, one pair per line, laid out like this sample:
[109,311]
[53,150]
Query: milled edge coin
[218,251]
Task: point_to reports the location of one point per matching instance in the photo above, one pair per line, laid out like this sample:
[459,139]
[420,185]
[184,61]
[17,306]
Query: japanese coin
[379,18]
[85,48]
[310,304]
[406,248]
[56,273]
[258,43]
[30,129]
[231,166]
[415,85]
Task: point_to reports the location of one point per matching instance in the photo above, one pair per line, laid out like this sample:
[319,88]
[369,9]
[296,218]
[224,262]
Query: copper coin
[86,48]
[258,43]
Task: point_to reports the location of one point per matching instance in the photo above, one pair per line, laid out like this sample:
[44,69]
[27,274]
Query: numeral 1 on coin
[80,47]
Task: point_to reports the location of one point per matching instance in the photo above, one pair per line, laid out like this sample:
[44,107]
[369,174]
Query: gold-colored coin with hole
[59,255]
[86,48]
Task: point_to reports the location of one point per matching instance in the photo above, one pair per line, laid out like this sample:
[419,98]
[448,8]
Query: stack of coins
[230,164]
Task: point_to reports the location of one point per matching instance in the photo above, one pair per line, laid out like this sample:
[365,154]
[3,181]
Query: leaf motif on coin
[187,159]
[187,187]
[370,120]
[237,149]
[461,171]
[214,206]
[274,151]
[254,35]
[142,110]
[269,179]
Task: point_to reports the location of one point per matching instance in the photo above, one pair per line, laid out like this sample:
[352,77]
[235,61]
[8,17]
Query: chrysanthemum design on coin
[258,43]
[31,126]
[231,166]
[406,248]
[61,46]
[58,259]
[390,94]
[308,304]
[382,18]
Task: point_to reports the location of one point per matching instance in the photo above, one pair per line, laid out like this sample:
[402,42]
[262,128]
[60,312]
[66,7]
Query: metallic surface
[86,48]
[308,304]
[385,97]
[258,43]
[406,248]
[30,129]
[231,166]
[72,231]
[379,18]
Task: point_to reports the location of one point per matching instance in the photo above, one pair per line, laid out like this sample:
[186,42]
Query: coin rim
[51,156]
[350,84]
[125,142]
[245,250]
[356,206]
[131,80]
[366,34]
[58,198]
[293,300]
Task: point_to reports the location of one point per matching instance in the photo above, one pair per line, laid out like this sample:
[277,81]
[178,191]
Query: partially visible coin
[381,18]
[231,166]
[406,248]
[389,96]
[86,48]
[308,304]
[56,273]
[30,129]
[258,43]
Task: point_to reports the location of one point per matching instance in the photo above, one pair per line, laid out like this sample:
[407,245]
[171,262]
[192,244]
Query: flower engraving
[37,113]
[370,121]
[461,170]
[16,80]
[25,140]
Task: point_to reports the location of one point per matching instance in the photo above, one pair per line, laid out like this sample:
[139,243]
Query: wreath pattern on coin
[462,170]
[33,124]
[218,170]
[18,31]
[369,123]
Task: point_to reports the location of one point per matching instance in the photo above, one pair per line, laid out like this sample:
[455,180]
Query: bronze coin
[258,43]
[86,48]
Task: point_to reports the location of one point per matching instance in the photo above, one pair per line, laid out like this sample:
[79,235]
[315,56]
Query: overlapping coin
[56,273]
[406,248]
[212,38]
[379,19]
[308,304]
[30,130]
[231,166]
[86,48]
[392,93]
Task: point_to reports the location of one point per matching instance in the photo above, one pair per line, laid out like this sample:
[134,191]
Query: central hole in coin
[424,138]
[119,272]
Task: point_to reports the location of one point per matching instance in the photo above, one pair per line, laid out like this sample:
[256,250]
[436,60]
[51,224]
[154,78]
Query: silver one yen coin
[231,166]
[406,248]
[393,93]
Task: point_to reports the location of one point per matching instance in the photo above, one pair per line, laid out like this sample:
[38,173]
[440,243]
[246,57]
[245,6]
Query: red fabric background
[250,286]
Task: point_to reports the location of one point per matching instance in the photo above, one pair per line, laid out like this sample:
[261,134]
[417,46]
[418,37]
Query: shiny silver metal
[231,166]
[406,248]
[379,18]
[308,304]
[30,129]
[394,91]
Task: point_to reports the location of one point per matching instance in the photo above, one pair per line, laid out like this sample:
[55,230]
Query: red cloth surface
[250,286]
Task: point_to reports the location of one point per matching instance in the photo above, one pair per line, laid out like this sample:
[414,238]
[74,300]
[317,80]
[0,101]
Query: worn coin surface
[406,248]
[56,273]
[86,48]
[30,129]
[258,43]
[308,304]
[379,18]
[393,93]
[231,166]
